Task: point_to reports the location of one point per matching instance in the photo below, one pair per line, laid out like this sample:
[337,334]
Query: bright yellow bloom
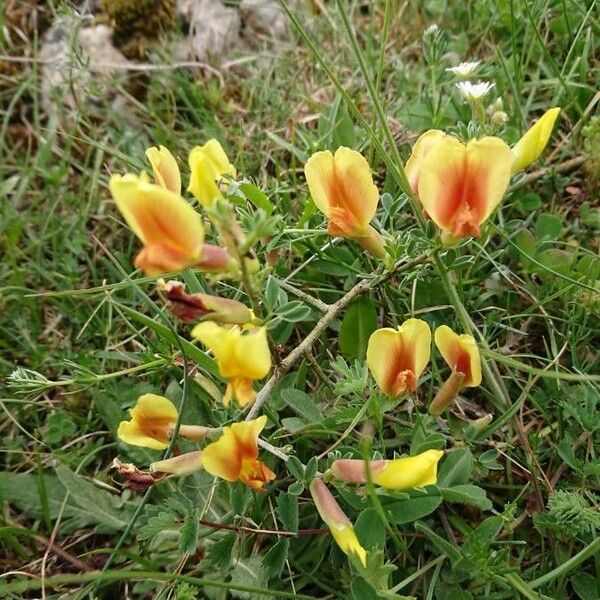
[165,169]
[152,420]
[397,357]
[459,185]
[337,521]
[461,354]
[170,229]
[398,474]
[528,149]
[234,456]
[242,356]
[342,188]
[208,164]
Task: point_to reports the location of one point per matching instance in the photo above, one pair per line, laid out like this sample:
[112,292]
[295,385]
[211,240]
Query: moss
[137,23]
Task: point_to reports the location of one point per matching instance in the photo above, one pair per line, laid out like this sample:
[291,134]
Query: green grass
[84,335]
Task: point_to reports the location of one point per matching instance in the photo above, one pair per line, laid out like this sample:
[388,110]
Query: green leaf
[296,488]
[274,559]
[467,494]
[477,545]
[158,524]
[411,509]
[287,511]
[295,468]
[443,545]
[220,552]
[257,197]
[369,529]
[456,468]
[109,512]
[271,292]
[586,586]
[302,404]
[249,572]
[359,322]
[294,312]
[188,538]
[547,227]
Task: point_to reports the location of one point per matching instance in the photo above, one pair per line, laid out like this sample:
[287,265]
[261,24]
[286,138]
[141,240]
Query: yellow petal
[528,149]
[158,216]
[461,353]
[460,186]
[224,458]
[342,187]
[239,354]
[337,521]
[346,539]
[410,472]
[420,150]
[165,169]
[208,164]
[152,418]
[397,357]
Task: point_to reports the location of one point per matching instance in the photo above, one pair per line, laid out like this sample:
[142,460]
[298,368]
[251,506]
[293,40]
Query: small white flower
[431,30]
[474,91]
[465,69]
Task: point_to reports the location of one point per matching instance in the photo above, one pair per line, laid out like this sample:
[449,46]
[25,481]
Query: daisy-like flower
[474,91]
[465,69]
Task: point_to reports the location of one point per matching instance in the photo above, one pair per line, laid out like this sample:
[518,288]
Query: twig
[318,304]
[566,165]
[288,362]
[241,528]
[54,547]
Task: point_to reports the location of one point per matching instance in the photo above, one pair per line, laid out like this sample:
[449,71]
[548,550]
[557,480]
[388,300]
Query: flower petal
[528,149]
[461,353]
[420,150]
[158,216]
[410,472]
[342,187]
[460,186]
[165,169]
[396,358]
[152,417]
[208,164]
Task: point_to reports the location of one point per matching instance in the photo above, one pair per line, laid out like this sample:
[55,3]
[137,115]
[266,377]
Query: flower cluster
[459,183]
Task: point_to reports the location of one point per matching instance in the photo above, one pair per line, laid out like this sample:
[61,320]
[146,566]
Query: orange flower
[459,185]
[165,169]
[234,456]
[461,354]
[397,357]
[170,229]
[342,188]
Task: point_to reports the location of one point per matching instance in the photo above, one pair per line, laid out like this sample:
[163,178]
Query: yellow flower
[152,420]
[208,164]
[397,474]
[242,356]
[170,229]
[528,149]
[234,456]
[337,521]
[459,185]
[342,188]
[461,354]
[165,169]
[397,357]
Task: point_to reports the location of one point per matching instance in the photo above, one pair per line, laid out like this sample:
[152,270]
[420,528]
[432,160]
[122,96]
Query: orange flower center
[344,206]
[255,473]
[401,376]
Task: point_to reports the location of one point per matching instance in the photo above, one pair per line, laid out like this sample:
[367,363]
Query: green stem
[519,366]
[589,551]
[100,577]
[520,586]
